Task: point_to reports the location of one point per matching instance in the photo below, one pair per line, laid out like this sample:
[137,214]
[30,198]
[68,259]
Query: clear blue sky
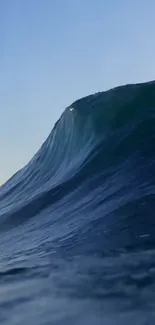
[53,52]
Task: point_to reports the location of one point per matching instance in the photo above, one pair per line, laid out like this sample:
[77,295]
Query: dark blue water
[77,224]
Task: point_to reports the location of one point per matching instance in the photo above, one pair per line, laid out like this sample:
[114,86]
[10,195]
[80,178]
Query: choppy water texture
[77,225]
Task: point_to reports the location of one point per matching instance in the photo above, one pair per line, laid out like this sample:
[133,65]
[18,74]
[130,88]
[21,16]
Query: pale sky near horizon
[53,52]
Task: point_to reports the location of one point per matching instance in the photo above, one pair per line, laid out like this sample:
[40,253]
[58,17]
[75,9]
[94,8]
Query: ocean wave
[94,174]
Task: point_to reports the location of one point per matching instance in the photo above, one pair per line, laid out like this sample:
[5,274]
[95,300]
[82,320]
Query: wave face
[89,191]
